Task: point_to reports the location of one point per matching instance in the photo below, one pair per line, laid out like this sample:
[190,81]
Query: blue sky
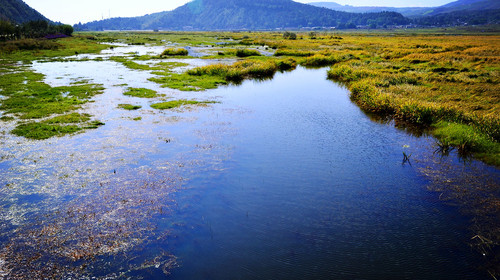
[72,11]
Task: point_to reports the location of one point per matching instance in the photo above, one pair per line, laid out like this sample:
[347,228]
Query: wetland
[153,155]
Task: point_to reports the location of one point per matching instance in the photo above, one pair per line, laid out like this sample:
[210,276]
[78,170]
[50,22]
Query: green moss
[178,103]
[129,106]
[141,92]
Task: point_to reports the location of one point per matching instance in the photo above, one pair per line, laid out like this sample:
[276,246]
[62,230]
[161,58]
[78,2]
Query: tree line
[33,29]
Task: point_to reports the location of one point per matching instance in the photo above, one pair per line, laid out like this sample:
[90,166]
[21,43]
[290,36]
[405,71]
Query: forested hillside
[251,15]
[18,12]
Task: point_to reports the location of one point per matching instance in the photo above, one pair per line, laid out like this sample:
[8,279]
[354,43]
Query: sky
[73,11]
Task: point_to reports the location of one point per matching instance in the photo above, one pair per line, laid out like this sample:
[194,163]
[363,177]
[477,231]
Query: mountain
[456,6]
[18,12]
[410,11]
[465,5]
[244,14]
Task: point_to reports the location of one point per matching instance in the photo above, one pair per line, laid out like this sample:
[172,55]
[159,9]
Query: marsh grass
[129,107]
[247,53]
[32,103]
[212,76]
[467,140]
[131,64]
[178,103]
[186,82]
[175,52]
[41,131]
[31,49]
[246,69]
[141,92]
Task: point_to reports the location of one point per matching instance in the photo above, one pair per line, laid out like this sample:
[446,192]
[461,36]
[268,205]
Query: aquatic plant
[141,92]
[83,234]
[32,102]
[129,106]
[178,103]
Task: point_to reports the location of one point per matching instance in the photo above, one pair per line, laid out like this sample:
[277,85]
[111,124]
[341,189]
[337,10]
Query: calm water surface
[283,179]
[316,190]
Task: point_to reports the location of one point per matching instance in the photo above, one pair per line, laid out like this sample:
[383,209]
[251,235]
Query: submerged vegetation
[129,107]
[32,102]
[177,103]
[141,92]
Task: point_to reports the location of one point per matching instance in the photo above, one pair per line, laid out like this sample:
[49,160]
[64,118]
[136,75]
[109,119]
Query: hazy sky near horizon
[73,11]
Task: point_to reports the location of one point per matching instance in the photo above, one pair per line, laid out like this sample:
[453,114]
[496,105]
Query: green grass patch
[178,103]
[246,69]
[247,53]
[129,106]
[141,92]
[41,131]
[186,82]
[69,118]
[130,64]
[296,53]
[211,76]
[175,52]
[27,98]
[31,49]
[468,141]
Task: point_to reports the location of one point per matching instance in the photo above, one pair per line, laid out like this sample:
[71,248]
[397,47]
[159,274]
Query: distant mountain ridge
[409,11]
[456,6]
[17,11]
[465,5]
[244,14]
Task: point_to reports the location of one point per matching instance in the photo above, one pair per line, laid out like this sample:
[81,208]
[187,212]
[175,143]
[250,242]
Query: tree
[290,35]
[7,30]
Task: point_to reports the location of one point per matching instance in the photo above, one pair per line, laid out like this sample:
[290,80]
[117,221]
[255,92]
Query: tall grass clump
[345,73]
[247,53]
[319,60]
[468,140]
[246,69]
[296,53]
[175,52]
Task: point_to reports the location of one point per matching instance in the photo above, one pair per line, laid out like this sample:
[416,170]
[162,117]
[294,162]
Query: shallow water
[283,179]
